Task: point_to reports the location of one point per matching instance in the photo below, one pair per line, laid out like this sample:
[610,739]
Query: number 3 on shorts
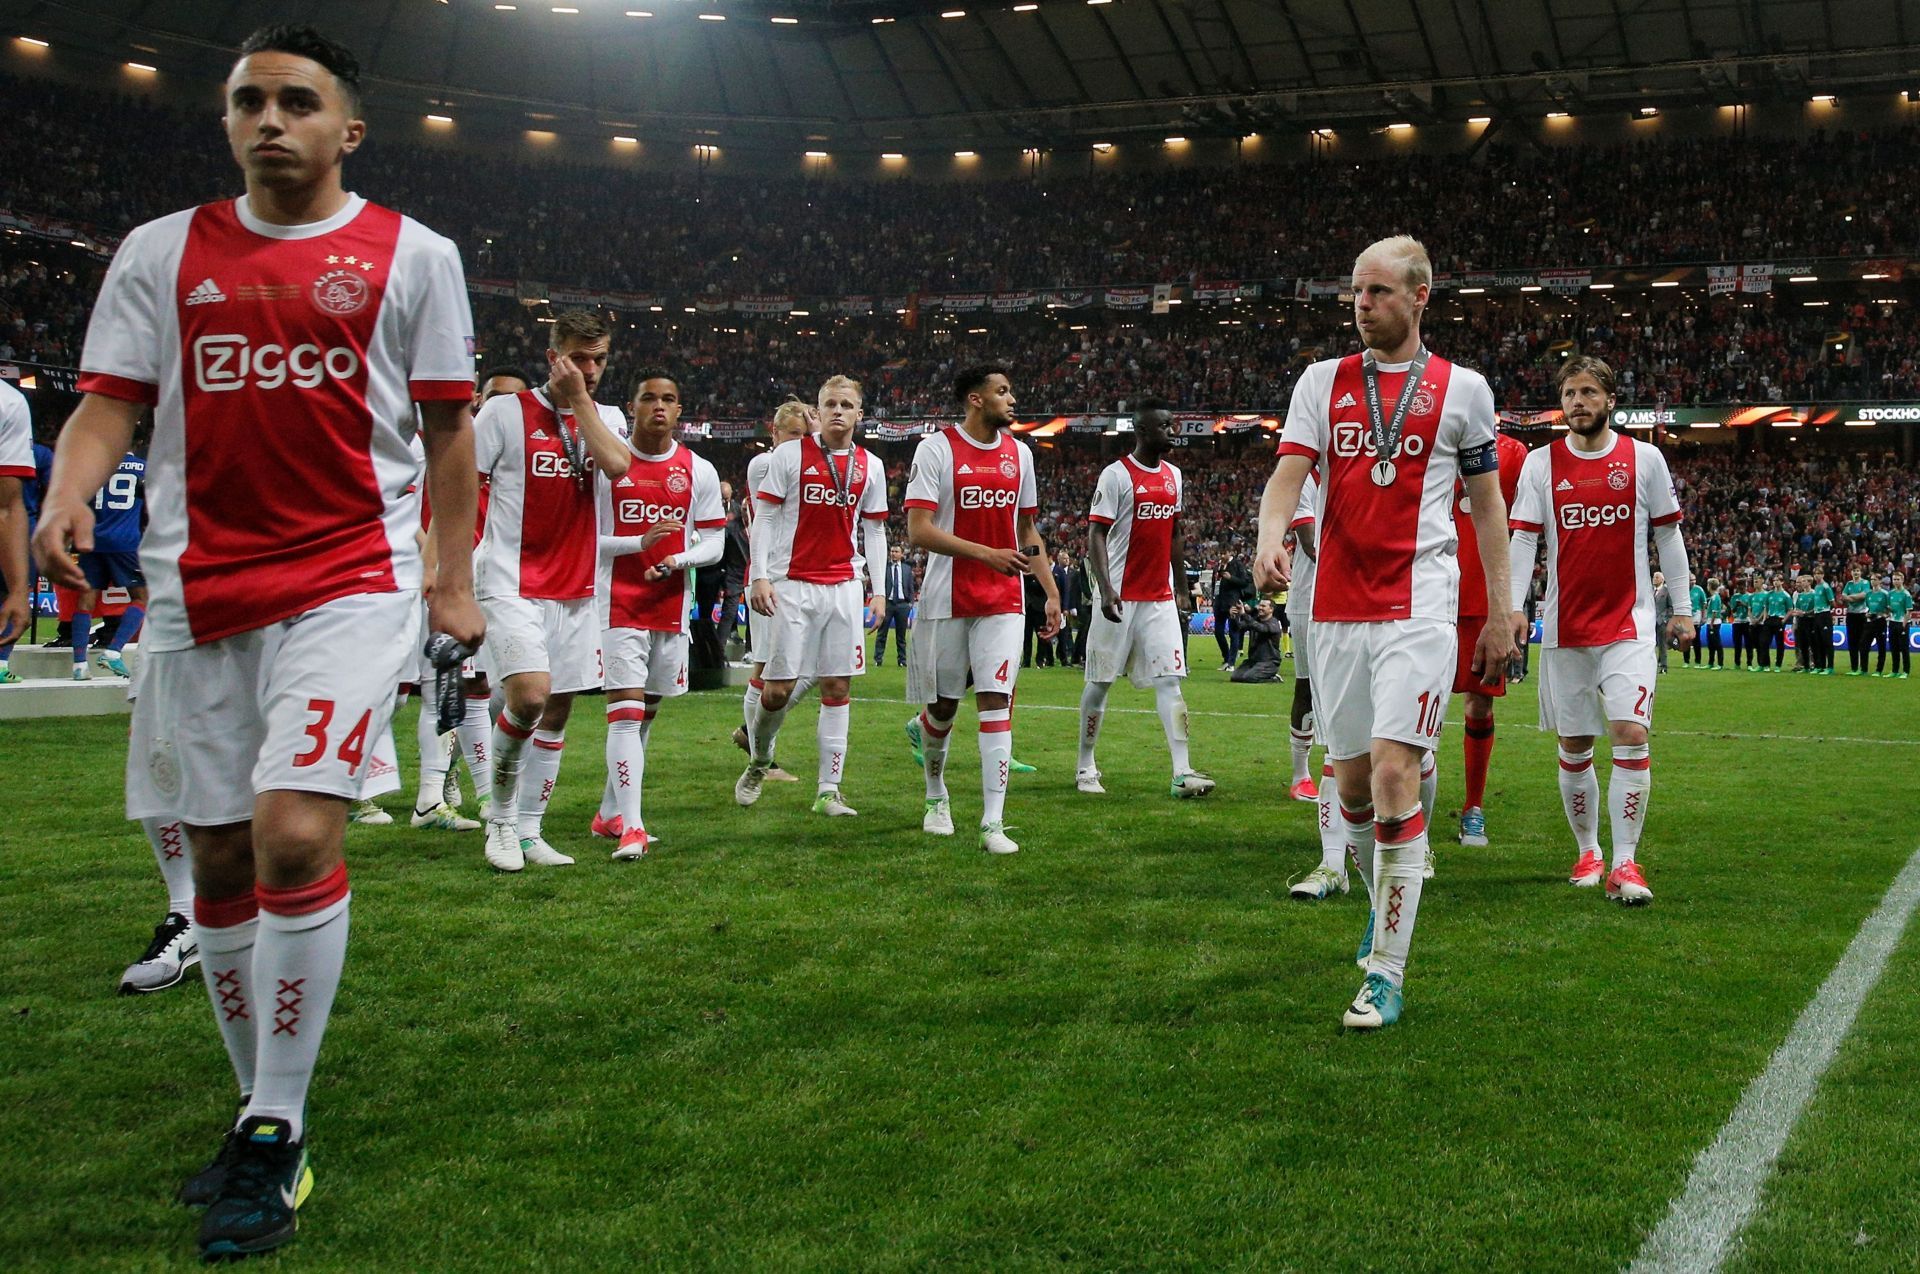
[353,748]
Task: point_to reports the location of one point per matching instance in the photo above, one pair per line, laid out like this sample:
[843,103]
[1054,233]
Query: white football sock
[297,959]
[648,713]
[1173,721]
[831,734]
[1627,793]
[1403,858]
[1580,798]
[538,775]
[1333,832]
[765,730]
[510,735]
[996,761]
[934,738]
[226,928]
[750,703]
[169,841]
[1093,710]
[473,732]
[1358,827]
[434,761]
[1302,747]
[1429,784]
[626,762]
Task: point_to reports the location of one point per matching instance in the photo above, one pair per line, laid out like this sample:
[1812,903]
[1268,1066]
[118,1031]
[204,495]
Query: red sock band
[1398,831]
[513,731]
[841,702]
[304,900]
[1633,763]
[224,913]
[626,712]
[551,745]
[1362,815]
[929,726]
[756,683]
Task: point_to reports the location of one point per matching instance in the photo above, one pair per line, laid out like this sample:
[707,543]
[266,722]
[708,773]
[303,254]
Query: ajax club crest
[1618,479]
[677,482]
[340,293]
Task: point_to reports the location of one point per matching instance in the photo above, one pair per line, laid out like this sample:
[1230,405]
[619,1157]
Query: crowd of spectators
[114,162]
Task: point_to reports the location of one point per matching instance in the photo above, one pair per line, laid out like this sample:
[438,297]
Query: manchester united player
[539,451]
[813,492]
[970,504]
[1134,554]
[661,520]
[1595,495]
[1393,429]
[791,420]
[1478,745]
[288,332]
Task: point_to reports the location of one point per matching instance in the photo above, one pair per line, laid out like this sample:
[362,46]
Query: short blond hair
[1404,252]
[842,382]
[790,414]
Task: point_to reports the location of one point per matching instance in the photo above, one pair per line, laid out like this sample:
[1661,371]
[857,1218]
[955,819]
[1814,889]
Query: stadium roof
[1032,72]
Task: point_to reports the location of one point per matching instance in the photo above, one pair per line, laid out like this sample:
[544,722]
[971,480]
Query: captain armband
[1480,460]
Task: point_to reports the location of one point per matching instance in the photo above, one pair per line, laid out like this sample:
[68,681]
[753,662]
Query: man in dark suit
[1232,586]
[1073,600]
[733,566]
[901,592]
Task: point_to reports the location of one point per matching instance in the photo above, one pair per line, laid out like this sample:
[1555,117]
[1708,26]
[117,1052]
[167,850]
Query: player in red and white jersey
[1393,429]
[659,522]
[808,582]
[16,470]
[970,504]
[1330,877]
[1480,694]
[792,419]
[540,451]
[1596,495]
[1134,554]
[282,341]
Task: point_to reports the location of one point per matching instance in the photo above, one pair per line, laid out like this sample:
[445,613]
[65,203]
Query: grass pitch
[784,1042]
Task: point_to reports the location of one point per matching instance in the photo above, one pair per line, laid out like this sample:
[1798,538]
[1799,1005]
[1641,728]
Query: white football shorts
[561,639]
[1584,687]
[300,705]
[815,631]
[1384,680]
[945,651]
[1147,643]
[643,659]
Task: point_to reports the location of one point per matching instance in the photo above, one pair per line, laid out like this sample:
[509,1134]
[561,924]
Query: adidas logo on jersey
[964,469]
[206,292]
[1346,400]
[1564,485]
[538,435]
[814,469]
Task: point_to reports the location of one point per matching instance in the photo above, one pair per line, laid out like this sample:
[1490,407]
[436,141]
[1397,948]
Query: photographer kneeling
[1263,629]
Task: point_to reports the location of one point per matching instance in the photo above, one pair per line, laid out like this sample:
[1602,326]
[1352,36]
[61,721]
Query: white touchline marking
[1723,1193]
[1277,716]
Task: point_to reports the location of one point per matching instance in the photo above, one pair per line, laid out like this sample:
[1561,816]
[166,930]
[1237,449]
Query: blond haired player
[1392,429]
[540,451]
[815,492]
[791,420]
[1595,496]
[970,505]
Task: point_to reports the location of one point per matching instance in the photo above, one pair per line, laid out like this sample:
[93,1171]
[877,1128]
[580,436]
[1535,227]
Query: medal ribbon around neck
[842,488]
[1386,434]
[571,442]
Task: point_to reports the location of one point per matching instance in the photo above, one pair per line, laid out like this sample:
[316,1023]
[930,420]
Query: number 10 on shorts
[1433,708]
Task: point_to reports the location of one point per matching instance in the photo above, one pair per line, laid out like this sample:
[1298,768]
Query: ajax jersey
[811,496]
[1138,507]
[542,539]
[976,491]
[676,485]
[1473,575]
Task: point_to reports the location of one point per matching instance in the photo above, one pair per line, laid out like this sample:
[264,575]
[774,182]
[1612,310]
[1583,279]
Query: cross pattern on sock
[1631,809]
[233,1000]
[286,1014]
[1003,773]
[1393,908]
[546,791]
[1326,817]
[171,842]
[1579,804]
[620,773]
